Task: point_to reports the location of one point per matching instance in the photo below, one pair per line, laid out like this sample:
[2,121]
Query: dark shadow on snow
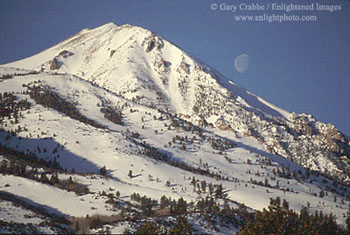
[31,205]
[47,146]
[274,158]
[135,176]
[257,106]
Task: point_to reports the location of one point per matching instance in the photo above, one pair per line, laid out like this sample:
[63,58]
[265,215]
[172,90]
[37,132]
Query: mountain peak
[143,116]
[110,24]
[148,70]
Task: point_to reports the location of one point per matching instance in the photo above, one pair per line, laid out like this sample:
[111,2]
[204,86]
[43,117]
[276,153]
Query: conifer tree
[348,221]
[54,179]
[181,227]
[70,180]
[279,219]
[164,202]
[103,170]
[44,178]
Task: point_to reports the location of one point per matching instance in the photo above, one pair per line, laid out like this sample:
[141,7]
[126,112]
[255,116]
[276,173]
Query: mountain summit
[135,62]
[125,103]
[145,68]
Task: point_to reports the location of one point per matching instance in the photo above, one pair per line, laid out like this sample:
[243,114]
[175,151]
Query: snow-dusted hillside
[122,109]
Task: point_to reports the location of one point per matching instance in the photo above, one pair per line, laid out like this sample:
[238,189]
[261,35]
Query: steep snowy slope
[147,69]
[148,143]
[135,62]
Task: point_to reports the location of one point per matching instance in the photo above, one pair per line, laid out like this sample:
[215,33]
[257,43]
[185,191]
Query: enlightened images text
[287,7]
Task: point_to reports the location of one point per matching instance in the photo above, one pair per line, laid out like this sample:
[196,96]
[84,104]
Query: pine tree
[168,183]
[149,228]
[54,179]
[219,191]
[321,194]
[181,206]
[44,178]
[348,221]
[210,186]
[77,227]
[164,202]
[70,180]
[181,227]
[193,182]
[103,170]
[279,219]
[204,185]
[3,165]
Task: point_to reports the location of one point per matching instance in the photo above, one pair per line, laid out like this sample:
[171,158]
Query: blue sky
[299,66]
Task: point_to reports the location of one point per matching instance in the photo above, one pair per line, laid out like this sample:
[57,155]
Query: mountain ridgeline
[146,69]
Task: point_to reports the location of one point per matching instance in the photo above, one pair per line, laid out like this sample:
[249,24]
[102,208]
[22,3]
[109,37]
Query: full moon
[242,63]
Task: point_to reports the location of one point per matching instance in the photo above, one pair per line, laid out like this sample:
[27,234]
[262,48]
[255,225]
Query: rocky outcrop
[224,127]
[162,65]
[54,64]
[65,53]
[153,41]
[185,67]
[301,125]
[150,46]
[111,53]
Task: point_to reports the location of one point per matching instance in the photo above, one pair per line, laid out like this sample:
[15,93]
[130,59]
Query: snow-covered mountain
[126,103]
[136,64]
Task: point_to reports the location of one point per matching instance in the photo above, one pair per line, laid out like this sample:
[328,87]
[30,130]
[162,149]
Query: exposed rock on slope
[147,69]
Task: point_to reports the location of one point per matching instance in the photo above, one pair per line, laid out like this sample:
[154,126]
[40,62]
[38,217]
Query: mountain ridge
[105,29]
[152,71]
